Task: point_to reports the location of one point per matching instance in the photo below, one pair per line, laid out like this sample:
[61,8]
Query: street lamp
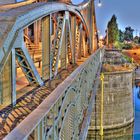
[99,3]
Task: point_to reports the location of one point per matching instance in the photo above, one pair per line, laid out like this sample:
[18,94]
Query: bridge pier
[118,111]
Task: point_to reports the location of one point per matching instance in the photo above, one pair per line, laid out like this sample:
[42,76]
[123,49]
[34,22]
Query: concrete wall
[124,133]
[114,57]
[118,101]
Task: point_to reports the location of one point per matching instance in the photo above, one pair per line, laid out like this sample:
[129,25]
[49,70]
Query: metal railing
[61,114]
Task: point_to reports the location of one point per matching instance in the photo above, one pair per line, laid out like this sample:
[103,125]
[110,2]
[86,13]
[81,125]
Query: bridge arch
[21,21]
[13,44]
[72,42]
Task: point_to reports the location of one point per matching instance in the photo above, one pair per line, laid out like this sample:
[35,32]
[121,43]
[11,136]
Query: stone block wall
[118,101]
[118,112]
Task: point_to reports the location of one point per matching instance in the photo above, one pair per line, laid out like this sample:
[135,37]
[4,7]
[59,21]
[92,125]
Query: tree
[121,36]
[113,31]
[139,41]
[128,34]
[136,39]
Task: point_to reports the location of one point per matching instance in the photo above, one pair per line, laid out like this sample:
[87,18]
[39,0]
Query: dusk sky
[127,12]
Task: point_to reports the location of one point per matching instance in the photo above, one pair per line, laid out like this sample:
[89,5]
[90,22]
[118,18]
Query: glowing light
[101,37]
[99,3]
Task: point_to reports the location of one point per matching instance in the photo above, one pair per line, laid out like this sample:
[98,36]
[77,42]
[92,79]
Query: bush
[119,45]
[127,58]
[127,46]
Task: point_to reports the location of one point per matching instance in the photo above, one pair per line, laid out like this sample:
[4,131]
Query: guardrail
[61,114]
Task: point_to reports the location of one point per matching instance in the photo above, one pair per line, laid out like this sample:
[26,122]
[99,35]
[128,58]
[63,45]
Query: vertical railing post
[102,103]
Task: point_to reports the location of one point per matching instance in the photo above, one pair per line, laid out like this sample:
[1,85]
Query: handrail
[25,128]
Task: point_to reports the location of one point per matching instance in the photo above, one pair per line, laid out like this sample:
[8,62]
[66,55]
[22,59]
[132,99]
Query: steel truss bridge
[57,99]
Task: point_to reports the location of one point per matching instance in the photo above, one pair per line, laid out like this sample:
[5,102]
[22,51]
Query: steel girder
[12,44]
[19,22]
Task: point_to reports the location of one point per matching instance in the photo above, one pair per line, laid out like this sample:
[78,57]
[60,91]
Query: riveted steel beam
[25,62]
[46,52]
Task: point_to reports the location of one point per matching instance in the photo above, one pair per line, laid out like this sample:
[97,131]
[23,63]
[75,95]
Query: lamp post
[102,105]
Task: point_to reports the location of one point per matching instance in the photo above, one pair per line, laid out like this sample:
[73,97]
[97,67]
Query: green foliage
[121,36]
[127,46]
[128,59]
[136,39]
[113,32]
[128,34]
[119,45]
[139,41]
